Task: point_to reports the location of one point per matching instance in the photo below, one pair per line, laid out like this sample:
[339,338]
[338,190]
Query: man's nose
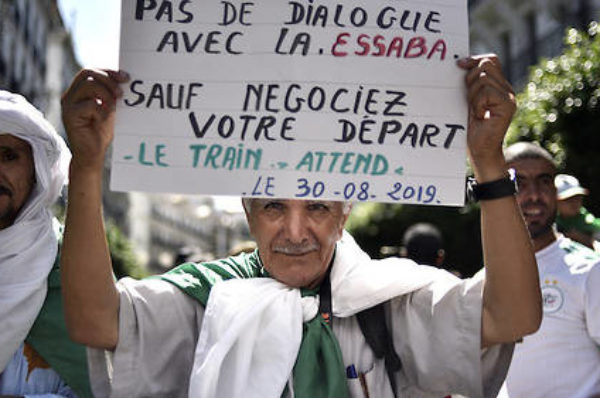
[296,226]
[532,191]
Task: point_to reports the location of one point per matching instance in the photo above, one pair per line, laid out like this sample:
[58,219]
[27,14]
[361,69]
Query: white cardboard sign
[346,100]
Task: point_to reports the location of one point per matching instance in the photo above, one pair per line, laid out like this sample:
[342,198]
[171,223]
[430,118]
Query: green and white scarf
[259,336]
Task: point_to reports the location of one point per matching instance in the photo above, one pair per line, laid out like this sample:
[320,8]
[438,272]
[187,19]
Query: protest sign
[347,100]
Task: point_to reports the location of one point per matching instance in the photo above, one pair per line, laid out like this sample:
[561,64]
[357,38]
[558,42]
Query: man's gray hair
[347,206]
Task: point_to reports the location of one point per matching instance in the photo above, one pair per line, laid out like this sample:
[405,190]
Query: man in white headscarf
[33,169]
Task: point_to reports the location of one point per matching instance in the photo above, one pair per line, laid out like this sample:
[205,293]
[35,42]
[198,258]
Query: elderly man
[563,358]
[250,325]
[36,357]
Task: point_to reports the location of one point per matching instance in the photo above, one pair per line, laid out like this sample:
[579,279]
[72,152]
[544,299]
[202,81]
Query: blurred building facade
[37,58]
[172,225]
[523,31]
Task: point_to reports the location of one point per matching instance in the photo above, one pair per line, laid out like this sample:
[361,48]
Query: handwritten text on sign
[300,99]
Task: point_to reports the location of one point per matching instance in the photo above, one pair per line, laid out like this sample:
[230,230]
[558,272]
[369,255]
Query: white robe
[28,247]
[436,331]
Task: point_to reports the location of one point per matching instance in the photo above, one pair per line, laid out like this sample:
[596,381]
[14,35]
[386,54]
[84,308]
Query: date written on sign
[266,186]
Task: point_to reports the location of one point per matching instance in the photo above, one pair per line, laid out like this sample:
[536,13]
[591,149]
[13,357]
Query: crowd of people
[308,313]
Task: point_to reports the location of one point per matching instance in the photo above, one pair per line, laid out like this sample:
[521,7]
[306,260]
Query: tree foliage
[559,108]
[124,260]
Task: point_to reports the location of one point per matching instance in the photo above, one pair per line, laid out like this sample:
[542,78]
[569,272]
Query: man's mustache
[296,249]
[533,203]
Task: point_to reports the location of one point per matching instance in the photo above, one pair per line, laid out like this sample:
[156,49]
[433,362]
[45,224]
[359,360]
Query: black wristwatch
[496,189]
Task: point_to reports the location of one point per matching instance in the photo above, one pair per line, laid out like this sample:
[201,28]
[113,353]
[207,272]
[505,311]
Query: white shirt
[436,333]
[563,358]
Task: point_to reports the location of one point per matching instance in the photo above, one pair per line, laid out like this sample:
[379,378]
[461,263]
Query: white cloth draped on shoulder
[28,248]
[253,327]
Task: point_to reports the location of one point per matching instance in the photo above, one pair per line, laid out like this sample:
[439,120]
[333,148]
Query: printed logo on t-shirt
[552,296]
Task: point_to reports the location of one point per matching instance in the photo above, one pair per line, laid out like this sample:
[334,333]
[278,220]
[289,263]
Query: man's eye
[318,207]
[273,206]
[7,155]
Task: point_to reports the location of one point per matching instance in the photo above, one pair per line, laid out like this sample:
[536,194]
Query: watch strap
[506,186]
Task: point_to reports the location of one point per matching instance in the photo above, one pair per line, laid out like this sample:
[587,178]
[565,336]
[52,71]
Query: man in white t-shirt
[563,358]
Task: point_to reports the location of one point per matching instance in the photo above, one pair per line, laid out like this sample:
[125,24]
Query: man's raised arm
[89,293]
[511,298]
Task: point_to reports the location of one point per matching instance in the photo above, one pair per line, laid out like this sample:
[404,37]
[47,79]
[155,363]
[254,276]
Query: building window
[14,85]
[532,38]
[17,17]
[583,14]
[563,16]
[27,24]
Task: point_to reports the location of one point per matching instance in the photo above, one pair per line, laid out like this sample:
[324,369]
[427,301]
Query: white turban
[28,248]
